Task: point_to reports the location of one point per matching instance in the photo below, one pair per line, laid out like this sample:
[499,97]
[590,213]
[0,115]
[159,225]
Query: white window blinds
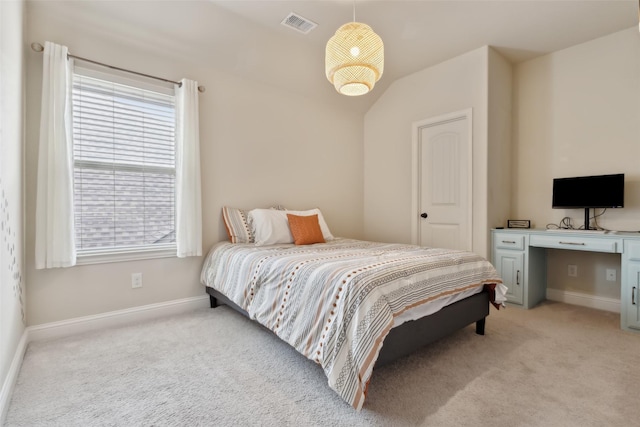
[124,164]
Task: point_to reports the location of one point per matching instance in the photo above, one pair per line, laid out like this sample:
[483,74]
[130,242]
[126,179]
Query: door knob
[424,215]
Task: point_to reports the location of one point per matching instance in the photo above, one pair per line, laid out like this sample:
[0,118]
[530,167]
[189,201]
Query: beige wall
[592,268]
[577,112]
[12,299]
[260,145]
[500,95]
[455,85]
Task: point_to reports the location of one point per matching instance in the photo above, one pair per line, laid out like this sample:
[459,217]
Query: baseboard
[12,376]
[585,300]
[115,318]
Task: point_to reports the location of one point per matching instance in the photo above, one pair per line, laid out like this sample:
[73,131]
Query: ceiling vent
[298,23]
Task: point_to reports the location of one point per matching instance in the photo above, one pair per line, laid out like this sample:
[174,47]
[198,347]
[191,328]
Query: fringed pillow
[235,221]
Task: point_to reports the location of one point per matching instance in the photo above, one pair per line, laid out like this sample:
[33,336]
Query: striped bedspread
[335,302]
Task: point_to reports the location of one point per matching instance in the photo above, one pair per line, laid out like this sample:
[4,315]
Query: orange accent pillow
[305,229]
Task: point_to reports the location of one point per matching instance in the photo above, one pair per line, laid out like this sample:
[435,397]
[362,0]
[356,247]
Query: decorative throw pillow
[305,229]
[326,233]
[235,221]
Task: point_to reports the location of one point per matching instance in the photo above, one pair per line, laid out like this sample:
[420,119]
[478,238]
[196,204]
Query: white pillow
[271,226]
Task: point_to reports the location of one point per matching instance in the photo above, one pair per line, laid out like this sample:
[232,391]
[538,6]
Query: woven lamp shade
[354,59]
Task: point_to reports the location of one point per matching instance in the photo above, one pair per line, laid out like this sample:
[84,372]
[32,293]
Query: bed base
[413,335]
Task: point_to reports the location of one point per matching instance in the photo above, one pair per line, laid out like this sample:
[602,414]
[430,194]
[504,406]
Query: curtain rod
[39,48]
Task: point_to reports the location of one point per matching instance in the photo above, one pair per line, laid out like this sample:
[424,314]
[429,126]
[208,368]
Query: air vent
[298,23]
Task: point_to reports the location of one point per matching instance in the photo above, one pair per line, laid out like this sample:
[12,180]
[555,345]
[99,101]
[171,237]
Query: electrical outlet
[573,271]
[611,275]
[136,280]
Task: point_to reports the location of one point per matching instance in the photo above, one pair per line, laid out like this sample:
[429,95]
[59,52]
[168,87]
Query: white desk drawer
[632,250]
[577,243]
[509,241]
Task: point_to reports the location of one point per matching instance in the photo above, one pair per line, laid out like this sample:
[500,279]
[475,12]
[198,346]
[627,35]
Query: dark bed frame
[410,336]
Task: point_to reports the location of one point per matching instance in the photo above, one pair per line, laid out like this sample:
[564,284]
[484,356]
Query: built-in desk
[520,257]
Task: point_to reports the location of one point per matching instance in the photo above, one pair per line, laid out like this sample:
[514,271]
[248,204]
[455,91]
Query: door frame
[416,187]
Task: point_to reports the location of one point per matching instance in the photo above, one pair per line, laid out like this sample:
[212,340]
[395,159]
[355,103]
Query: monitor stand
[586,218]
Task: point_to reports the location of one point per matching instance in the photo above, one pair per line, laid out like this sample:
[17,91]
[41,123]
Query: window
[124,164]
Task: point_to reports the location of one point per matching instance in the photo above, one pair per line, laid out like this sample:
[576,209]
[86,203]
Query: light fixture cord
[354,10]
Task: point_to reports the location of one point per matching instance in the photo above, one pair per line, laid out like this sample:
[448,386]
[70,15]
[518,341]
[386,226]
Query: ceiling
[245,37]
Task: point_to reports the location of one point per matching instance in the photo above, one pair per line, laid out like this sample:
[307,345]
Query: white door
[444,182]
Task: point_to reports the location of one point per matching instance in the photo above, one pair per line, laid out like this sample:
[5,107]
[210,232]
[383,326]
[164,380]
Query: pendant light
[354,59]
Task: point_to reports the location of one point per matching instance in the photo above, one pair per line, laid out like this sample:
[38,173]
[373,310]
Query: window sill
[102,256]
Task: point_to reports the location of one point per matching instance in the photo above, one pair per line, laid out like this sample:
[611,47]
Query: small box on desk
[518,223]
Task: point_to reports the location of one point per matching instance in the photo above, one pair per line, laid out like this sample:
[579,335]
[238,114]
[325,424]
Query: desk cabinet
[510,266]
[520,258]
[519,267]
[629,304]
[508,258]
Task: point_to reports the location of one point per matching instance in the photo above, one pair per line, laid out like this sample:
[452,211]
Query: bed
[339,301]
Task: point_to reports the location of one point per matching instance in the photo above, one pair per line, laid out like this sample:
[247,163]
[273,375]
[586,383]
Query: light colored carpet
[553,365]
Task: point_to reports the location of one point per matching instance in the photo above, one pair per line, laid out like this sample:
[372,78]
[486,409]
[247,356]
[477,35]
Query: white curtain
[55,239]
[188,203]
